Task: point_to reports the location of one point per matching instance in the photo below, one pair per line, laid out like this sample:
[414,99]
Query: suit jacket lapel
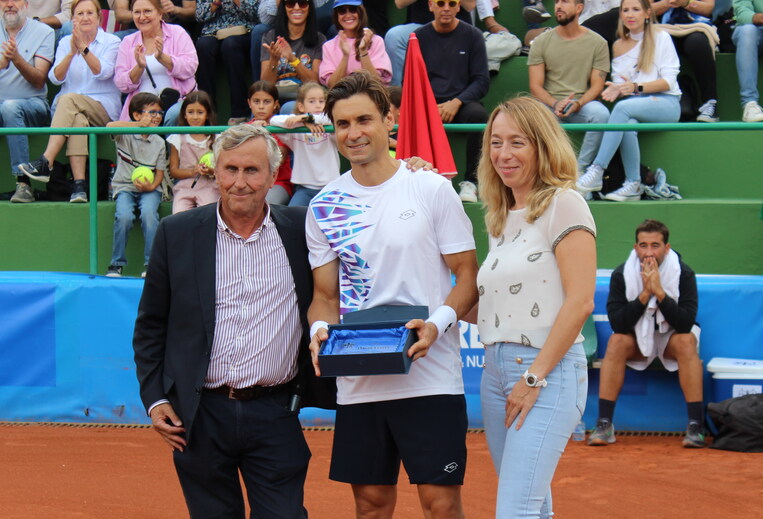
[204,250]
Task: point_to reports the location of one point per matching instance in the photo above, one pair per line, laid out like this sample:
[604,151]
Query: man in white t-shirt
[392,236]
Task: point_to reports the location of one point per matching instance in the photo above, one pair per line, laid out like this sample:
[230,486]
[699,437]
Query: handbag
[236,30]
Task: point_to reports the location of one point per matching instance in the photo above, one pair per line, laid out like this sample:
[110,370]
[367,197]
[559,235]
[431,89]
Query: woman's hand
[284,49]
[519,402]
[365,42]
[140,55]
[415,163]
[344,45]
[611,92]
[159,48]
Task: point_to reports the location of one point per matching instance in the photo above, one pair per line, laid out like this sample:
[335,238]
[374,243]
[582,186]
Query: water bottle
[578,434]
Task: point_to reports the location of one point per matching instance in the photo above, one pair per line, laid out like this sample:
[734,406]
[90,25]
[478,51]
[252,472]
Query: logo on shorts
[405,215]
[451,467]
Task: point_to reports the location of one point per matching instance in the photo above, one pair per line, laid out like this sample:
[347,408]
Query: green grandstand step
[716,236]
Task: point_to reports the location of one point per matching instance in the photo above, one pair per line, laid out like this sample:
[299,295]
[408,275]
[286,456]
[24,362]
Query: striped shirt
[257,325]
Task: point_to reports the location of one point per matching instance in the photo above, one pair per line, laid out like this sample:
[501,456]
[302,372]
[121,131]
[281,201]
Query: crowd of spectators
[171,48]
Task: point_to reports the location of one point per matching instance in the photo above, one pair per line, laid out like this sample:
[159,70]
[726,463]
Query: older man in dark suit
[221,336]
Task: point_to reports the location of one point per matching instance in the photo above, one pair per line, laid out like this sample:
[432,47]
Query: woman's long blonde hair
[646,56]
[557,165]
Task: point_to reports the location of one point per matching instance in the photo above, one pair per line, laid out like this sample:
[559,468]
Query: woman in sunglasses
[292,51]
[355,47]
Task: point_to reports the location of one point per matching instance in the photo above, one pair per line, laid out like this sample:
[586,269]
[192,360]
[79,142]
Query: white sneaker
[591,179]
[753,113]
[630,192]
[467,191]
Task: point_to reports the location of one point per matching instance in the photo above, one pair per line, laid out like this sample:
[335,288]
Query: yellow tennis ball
[208,160]
[143,174]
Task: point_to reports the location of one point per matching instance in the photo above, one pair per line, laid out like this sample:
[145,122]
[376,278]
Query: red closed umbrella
[420,129]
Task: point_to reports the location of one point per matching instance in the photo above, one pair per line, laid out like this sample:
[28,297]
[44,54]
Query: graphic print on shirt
[336,213]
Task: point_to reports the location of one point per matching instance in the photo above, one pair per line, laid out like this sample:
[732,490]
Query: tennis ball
[142,173]
[208,160]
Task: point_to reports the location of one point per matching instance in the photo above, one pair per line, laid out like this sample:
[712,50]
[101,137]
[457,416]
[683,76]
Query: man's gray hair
[237,135]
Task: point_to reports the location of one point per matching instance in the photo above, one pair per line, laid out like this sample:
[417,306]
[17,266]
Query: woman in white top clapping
[84,68]
[644,78]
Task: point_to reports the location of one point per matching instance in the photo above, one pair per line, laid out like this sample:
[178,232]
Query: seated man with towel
[652,305]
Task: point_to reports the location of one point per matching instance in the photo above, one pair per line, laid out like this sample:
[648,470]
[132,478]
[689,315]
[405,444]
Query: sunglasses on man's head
[451,3]
[344,9]
[291,3]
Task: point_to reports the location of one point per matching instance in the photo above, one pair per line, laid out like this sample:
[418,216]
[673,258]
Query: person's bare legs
[374,501]
[683,348]
[55,145]
[620,348]
[78,164]
[441,501]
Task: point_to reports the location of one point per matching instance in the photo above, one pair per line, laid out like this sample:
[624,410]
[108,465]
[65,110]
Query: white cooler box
[735,377]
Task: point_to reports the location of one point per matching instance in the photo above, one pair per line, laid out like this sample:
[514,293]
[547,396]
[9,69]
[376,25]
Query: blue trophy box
[374,341]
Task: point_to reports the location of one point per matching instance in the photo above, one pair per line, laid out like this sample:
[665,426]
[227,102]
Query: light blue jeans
[396,43]
[653,108]
[302,195]
[591,113]
[148,203]
[526,459]
[749,41]
[22,113]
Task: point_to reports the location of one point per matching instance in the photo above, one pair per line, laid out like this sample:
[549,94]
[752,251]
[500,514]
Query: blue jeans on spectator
[148,203]
[256,48]
[593,112]
[652,108]
[172,114]
[396,43]
[526,459]
[302,195]
[749,41]
[22,113]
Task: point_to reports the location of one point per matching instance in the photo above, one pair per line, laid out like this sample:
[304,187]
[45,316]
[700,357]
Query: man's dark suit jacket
[176,317]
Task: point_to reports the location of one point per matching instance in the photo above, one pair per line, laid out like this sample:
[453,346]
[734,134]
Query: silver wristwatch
[532,380]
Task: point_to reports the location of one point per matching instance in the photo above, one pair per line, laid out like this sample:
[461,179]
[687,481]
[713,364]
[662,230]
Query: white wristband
[443,318]
[317,325]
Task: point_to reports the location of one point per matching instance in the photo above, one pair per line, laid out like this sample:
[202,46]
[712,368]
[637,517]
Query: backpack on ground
[739,422]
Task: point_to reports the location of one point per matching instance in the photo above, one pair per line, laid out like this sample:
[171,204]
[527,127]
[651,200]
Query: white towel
[670,274]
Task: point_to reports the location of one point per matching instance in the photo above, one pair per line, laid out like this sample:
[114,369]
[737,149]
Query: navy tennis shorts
[427,433]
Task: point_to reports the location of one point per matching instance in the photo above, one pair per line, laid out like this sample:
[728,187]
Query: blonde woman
[644,79]
[536,290]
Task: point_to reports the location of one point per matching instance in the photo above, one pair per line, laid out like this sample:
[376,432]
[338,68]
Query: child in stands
[263,102]
[316,159]
[194,181]
[137,151]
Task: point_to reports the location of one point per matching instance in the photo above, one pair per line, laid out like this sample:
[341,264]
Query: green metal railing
[93,134]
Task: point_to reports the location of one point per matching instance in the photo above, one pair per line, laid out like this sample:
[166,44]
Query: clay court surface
[108,472]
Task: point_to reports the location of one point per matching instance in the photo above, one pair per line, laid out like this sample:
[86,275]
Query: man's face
[14,12]
[566,11]
[244,178]
[362,132]
[651,245]
[444,12]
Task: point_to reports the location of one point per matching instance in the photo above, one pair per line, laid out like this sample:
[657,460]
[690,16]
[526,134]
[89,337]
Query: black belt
[249,393]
